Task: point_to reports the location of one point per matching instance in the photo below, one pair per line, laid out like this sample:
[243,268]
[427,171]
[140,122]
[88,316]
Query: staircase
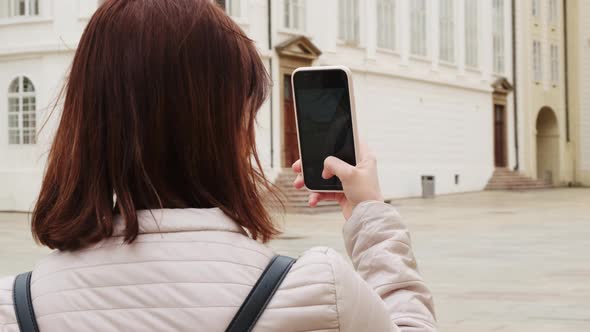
[505,179]
[296,201]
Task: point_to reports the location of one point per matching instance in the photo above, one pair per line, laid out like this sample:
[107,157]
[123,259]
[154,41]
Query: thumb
[334,166]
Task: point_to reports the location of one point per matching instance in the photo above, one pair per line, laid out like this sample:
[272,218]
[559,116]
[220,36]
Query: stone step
[292,190]
[506,174]
[511,176]
[514,182]
[493,186]
[517,182]
[296,201]
[304,194]
[516,179]
[316,210]
[517,186]
[305,209]
[506,179]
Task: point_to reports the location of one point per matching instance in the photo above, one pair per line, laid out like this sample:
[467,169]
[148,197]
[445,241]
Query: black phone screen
[324,121]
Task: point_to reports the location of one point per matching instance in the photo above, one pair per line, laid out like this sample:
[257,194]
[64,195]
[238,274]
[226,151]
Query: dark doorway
[500,136]
[293,53]
[291,149]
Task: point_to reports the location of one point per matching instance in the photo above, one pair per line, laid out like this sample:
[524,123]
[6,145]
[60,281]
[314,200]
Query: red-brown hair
[159,112]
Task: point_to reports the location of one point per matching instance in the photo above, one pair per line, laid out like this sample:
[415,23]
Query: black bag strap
[243,321]
[260,295]
[23,305]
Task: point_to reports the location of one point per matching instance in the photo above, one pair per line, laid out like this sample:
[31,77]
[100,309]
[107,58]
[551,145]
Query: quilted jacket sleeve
[380,249]
[7,317]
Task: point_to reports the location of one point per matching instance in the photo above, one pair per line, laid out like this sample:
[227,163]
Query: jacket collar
[180,220]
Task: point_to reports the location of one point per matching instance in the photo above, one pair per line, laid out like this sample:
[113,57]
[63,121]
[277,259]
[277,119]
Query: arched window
[22,116]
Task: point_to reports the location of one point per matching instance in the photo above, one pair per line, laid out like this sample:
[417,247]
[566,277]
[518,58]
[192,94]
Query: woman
[153,195]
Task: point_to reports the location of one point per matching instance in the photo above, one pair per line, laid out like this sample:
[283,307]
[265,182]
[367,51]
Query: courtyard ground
[495,261]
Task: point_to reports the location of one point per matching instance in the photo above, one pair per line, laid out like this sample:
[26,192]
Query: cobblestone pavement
[496,261]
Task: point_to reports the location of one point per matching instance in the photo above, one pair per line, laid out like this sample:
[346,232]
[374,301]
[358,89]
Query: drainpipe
[565,77]
[515,86]
[272,145]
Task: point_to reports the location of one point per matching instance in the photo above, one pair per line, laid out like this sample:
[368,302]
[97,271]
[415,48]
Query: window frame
[420,48]
[387,24]
[32,9]
[294,6]
[349,36]
[553,13]
[554,64]
[229,6]
[28,133]
[446,35]
[498,37]
[537,61]
[536,9]
[472,39]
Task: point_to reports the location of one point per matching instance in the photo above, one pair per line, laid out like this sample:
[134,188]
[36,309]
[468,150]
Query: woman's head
[159,111]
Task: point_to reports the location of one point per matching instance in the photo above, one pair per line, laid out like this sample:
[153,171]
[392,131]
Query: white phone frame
[348,73]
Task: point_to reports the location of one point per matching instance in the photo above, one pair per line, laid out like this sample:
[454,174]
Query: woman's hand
[360,182]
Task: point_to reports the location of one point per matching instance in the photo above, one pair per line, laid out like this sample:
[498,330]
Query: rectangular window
[13,136]
[294,14]
[29,136]
[554,64]
[418,19]
[348,21]
[13,121]
[471,34]
[447,31]
[536,8]
[14,8]
[234,7]
[537,61]
[552,12]
[29,120]
[386,24]
[498,35]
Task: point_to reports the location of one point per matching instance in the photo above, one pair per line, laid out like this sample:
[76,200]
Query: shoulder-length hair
[159,112]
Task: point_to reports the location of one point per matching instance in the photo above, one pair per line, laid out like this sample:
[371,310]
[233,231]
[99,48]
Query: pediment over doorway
[501,85]
[299,47]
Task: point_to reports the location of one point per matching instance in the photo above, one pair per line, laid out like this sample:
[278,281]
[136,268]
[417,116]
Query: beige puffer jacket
[190,270]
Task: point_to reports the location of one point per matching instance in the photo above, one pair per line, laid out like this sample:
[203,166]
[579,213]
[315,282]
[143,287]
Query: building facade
[37,42]
[552,61]
[546,142]
[423,74]
[433,83]
[578,78]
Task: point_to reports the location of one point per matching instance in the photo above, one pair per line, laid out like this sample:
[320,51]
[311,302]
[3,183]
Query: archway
[547,146]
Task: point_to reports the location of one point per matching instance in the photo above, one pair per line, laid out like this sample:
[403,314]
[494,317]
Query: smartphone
[326,122]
